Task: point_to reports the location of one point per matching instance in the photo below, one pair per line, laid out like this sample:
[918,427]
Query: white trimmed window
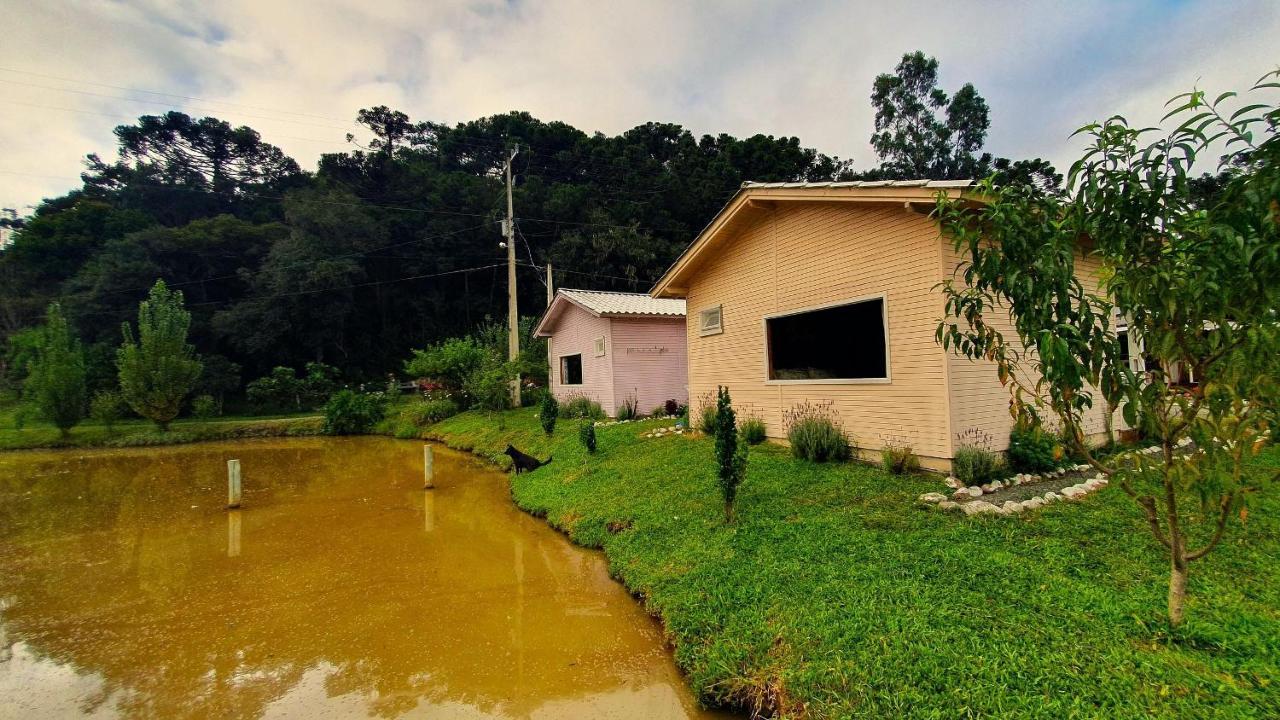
[571,369]
[838,343]
[600,346]
[711,321]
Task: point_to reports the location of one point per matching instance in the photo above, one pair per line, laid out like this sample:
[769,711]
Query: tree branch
[1224,510]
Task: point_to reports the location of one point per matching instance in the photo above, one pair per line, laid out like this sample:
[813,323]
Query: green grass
[836,595]
[131,433]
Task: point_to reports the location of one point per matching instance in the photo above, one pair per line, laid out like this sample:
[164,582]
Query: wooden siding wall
[802,255]
[978,400]
[576,332]
[649,361]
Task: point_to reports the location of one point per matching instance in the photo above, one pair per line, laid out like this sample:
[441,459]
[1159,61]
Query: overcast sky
[298,72]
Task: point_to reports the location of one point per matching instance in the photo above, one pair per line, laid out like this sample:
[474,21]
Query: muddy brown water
[341,589]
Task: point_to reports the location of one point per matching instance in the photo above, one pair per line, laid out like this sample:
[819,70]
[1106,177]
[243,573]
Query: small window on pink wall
[571,369]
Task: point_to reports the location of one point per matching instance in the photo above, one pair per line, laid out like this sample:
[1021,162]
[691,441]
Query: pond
[340,589]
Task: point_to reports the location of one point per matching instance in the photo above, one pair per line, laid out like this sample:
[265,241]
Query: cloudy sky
[297,72]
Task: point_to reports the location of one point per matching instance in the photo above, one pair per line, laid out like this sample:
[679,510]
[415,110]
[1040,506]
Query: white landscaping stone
[997,485]
[986,487]
[961,493]
[948,505]
[1051,497]
[954,482]
[975,491]
[933,497]
[1033,504]
[977,507]
[1012,506]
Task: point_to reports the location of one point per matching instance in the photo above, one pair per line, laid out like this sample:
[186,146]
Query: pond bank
[138,433]
[835,596]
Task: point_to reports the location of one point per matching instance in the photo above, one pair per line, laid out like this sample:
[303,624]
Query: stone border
[664,431]
[969,505]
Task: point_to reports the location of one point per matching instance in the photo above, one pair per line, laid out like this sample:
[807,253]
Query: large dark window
[846,342]
[571,370]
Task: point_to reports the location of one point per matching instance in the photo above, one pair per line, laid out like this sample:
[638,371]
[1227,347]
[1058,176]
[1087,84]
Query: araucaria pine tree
[731,454]
[56,381]
[158,368]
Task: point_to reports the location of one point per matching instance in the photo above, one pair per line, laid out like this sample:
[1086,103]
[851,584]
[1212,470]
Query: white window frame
[582,370]
[601,347]
[703,330]
[884,318]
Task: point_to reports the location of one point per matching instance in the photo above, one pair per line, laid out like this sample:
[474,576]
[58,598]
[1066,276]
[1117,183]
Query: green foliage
[629,409]
[1196,276]
[1032,449]
[671,407]
[581,406]
[899,459]
[587,436]
[450,362]
[107,407]
[55,381]
[816,433]
[753,430]
[204,407]
[548,411]
[731,456]
[489,385]
[820,554]
[283,391]
[159,368]
[353,413]
[975,465]
[707,407]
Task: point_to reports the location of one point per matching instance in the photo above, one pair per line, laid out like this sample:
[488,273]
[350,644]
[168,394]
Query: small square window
[709,321]
[600,347]
[571,369]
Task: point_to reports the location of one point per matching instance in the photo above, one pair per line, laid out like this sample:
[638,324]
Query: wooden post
[428,468]
[233,533]
[233,484]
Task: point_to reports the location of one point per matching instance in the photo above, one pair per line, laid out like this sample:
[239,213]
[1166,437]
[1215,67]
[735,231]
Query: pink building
[611,347]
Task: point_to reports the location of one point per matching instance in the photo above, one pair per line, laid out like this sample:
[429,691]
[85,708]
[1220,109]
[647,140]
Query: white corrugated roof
[619,303]
[862,184]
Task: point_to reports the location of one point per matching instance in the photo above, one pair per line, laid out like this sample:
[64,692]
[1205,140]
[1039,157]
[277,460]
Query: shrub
[816,434]
[975,465]
[899,459]
[581,406]
[752,430]
[450,362]
[659,411]
[429,411]
[587,435]
[629,409]
[731,457]
[107,407]
[548,411]
[671,407]
[204,407]
[489,385]
[707,414]
[280,390]
[351,413]
[1032,449]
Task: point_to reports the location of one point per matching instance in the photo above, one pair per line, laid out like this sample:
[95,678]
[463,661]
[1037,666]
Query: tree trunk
[728,513]
[1177,592]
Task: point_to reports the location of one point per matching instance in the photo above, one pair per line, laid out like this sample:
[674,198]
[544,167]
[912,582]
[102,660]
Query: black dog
[522,462]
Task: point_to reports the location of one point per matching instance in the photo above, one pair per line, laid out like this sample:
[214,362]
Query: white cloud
[299,71]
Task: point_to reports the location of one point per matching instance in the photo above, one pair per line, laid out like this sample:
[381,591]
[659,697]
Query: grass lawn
[128,433]
[835,595]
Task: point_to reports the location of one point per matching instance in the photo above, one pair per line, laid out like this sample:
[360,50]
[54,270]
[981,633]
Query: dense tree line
[376,251]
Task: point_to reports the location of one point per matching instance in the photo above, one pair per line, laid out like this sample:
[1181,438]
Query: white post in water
[428,511]
[428,468]
[233,484]
[233,533]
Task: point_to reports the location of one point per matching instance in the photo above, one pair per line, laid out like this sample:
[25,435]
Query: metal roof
[619,303]
[861,184]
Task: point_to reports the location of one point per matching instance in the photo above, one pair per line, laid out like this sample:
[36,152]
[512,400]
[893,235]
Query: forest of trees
[394,246]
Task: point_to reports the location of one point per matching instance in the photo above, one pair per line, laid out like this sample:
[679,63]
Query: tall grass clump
[816,433]
[899,459]
[629,409]
[707,414]
[752,430]
[581,406]
[974,462]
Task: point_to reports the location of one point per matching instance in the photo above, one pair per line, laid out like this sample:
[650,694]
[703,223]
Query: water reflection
[127,590]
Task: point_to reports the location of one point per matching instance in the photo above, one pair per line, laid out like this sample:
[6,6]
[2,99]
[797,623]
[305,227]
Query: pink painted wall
[649,361]
[576,332]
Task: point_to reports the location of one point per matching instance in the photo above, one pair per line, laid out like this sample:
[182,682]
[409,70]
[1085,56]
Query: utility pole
[551,293]
[513,316]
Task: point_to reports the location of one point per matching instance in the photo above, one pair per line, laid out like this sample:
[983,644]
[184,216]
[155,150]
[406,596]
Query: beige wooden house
[828,293]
